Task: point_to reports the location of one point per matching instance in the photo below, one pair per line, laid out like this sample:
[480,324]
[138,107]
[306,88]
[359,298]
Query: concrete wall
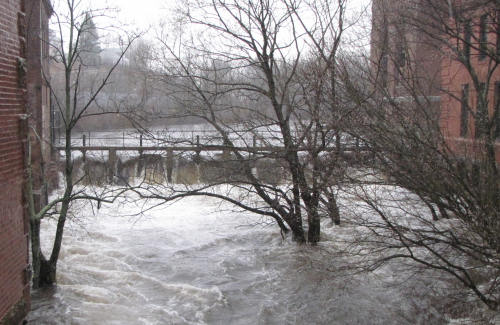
[101,169]
[181,169]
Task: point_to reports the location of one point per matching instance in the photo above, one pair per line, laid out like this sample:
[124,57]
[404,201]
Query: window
[482,111]
[383,69]
[498,34]
[467,39]
[401,43]
[397,74]
[496,110]
[385,48]
[483,36]
[401,53]
[464,114]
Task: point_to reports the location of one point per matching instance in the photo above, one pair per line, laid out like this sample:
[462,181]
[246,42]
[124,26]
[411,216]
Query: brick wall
[14,282]
[38,105]
[439,74]
[455,76]
[394,38]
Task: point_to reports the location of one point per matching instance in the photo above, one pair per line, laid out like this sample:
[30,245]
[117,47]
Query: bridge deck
[199,148]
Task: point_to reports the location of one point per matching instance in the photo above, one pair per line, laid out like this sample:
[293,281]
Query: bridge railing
[183,138]
[175,137]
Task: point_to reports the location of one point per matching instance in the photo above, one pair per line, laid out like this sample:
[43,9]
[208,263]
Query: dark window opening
[401,58]
[481,111]
[483,36]
[498,35]
[464,114]
[496,110]
[384,66]
[397,71]
[399,50]
[385,48]
[401,43]
[467,39]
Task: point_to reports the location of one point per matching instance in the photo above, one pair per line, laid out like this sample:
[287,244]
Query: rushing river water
[194,263]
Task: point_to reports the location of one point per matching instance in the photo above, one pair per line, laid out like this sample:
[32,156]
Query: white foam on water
[197,262]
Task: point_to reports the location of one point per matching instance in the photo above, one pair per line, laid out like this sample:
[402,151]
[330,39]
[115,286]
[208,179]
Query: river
[197,262]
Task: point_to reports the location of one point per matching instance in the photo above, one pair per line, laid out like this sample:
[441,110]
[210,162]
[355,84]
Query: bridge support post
[170,164]
[140,144]
[254,146]
[226,154]
[198,150]
[83,144]
[112,164]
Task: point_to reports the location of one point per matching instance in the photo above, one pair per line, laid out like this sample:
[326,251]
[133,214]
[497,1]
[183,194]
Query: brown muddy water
[194,262]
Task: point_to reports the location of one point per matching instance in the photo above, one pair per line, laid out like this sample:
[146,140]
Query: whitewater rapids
[196,262]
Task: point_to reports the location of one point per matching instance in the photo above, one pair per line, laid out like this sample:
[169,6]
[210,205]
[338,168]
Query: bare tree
[440,206]
[72,102]
[263,78]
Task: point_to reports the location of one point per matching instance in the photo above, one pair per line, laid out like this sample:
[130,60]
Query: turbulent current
[195,262]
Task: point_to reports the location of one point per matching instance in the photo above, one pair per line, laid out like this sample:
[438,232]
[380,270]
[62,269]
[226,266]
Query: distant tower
[89,43]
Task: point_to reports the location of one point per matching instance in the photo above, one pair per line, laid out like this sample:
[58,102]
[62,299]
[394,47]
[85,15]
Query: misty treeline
[289,87]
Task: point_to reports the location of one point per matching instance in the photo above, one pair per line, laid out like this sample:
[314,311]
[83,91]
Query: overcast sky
[144,13]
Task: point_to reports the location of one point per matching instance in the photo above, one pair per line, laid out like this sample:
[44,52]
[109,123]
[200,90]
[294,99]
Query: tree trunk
[282,226]
[296,217]
[294,221]
[333,209]
[313,220]
[36,254]
[298,234]
[44,272]
[492,174]
[313,234]
[47,275]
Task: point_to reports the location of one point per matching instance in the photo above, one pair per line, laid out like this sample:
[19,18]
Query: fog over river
[196,262]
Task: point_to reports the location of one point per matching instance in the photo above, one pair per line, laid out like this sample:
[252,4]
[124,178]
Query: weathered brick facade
[402,41]
[460,126]
[14,274]
[399,50]
[38,94]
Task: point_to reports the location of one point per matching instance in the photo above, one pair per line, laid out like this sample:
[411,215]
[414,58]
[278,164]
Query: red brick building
[463,107]
[399,51]
[14,263]
[38,13]
[23,97]
[426,42]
